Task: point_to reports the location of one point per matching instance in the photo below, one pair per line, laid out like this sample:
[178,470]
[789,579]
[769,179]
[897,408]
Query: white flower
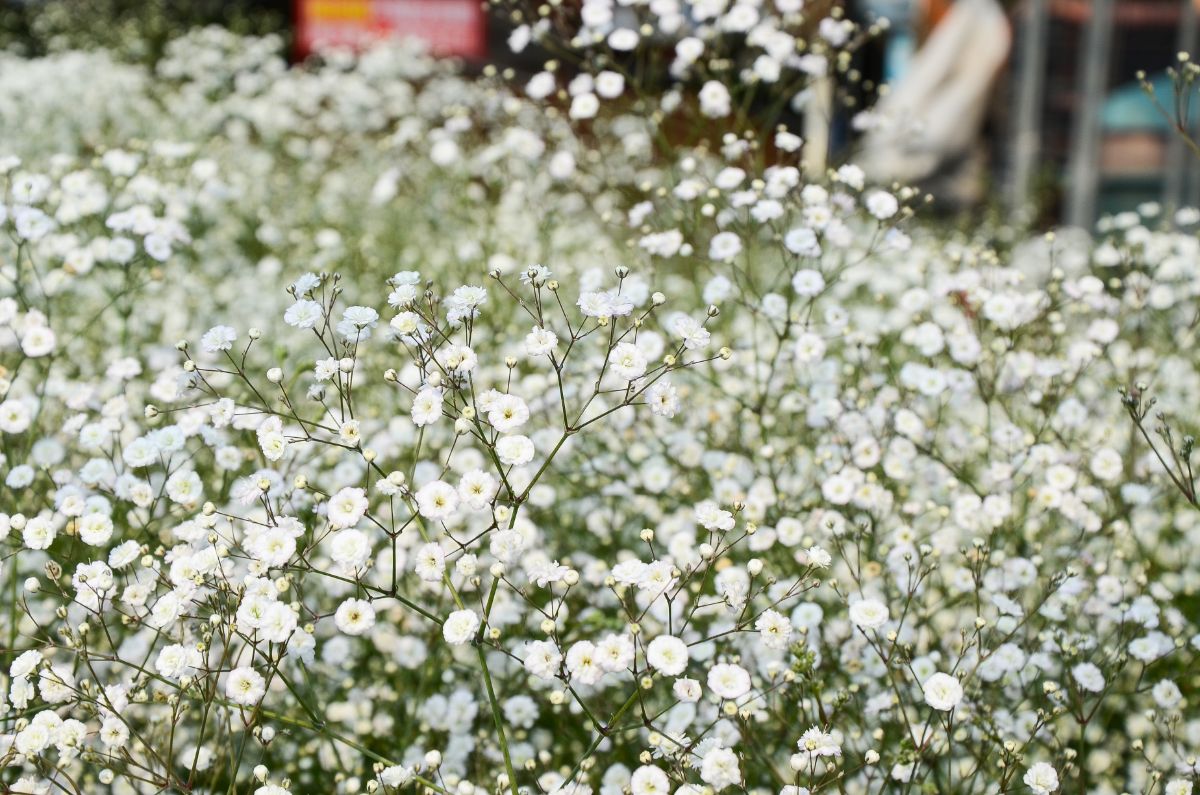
[15,416]
[584,106]
[687,690]
[347,507]
[1088,676]
[350,548]
[623,39]
[711,516]
[1041,778]
[719,769]
[667,654]
[774,629]
[303,314]
[942,691]
[218,338]
[802,242]
[724,246]
[94,529]
[869,614]
[609,84]
[431,562]
[476,489]
[663,399]
[114,733]
[648,780]
[816,743]
[627,362]
[882,204]
[808,283]
[542,659]
[437,500]
[357,322]
[540,342]
[39,532]
[355,616]
[396,775]
[695,335]
[184,487]
[728,681]
[715,101]
[460,627]
[427,407]
[514,450]
[540,85]
[38,341]
[245,686]
[176,661]
[507,413]
[818,557]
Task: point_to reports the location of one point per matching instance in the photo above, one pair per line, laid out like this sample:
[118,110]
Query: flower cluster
[367,427]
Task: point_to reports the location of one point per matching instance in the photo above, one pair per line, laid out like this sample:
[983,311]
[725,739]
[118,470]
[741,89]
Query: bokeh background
[1045,111]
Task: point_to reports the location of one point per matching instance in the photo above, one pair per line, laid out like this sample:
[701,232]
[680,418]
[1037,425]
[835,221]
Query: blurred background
[1053,110]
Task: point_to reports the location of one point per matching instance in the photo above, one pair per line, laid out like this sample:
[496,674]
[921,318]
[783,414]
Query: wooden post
[1031,78]
[1083,173]
[818,117]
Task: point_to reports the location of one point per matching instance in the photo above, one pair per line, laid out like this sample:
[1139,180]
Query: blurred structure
[932,116]
[1083,136]
[1030,104]
[1039,99]
[447,27]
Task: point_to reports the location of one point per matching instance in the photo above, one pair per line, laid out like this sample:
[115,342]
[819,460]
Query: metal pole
[1026,139]
[1083,168]
[1176,161]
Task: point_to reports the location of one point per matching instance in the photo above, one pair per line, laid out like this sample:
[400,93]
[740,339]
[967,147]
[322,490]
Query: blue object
[1129,109]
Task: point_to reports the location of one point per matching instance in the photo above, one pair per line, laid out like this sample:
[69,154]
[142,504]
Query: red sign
[447,27]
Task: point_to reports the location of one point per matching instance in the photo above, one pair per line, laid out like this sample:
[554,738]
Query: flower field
[373,425]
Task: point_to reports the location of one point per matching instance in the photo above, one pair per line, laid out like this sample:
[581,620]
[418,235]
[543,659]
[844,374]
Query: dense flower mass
[367,427]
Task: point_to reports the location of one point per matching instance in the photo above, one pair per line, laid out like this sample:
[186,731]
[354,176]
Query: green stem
[499,721]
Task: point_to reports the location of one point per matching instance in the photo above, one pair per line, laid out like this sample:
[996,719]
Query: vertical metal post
[1177,155]
[1031,78]
[1083,167]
